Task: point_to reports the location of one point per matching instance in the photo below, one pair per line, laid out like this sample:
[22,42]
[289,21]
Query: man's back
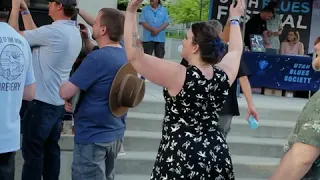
[55,48]
[94,122]
[16,72]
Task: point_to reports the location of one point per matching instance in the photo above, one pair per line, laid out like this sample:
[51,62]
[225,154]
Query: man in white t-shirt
[55,49]
[17,82]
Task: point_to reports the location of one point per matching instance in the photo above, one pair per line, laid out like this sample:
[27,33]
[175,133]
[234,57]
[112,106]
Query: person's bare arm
[29,92]
[226,32]
[246,89]
[266,37]
[26,17]
[163,26]
[282,48]
[89,44]
[87,17]
[147,26]
[301,48]
[296,162]
[152,68]
[29,85]
[14,15]
[231,61]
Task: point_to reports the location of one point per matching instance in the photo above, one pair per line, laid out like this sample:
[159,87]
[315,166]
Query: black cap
[68,2]
[273,4]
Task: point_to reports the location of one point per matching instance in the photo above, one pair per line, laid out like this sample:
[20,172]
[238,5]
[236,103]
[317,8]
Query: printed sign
[295,14]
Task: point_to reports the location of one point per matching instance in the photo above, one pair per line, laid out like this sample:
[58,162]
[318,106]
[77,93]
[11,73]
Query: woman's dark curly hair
[212,49]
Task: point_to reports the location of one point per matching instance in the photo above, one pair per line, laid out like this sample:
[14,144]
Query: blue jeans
[40,148]
[7,166]
[95,161]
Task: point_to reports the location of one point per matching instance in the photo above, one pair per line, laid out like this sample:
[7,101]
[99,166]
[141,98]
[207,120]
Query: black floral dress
[192,147]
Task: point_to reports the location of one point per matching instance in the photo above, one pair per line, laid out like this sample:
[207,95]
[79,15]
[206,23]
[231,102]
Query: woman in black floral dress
[192,147]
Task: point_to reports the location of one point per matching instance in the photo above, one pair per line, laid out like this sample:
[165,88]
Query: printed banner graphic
[282,72]
[295,15]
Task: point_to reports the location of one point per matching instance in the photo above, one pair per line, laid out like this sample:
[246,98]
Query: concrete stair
[255,153]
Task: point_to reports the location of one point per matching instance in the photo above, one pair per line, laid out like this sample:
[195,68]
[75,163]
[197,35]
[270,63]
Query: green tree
[188,11]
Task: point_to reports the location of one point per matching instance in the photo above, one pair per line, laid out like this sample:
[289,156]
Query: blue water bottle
[253,123]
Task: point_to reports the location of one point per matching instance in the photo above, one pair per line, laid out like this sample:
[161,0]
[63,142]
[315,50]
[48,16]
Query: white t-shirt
[16,72]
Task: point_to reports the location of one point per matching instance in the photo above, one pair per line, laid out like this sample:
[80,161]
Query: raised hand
[23,5]
[84,31]
[238,10]
[68,107]
[134,5]
[16,4]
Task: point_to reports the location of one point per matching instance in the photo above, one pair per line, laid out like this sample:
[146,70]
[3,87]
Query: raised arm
[86,17]
[231,61]
[156,70]
[17,6]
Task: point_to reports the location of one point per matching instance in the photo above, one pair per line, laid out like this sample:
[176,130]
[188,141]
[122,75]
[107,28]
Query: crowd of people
[65,71]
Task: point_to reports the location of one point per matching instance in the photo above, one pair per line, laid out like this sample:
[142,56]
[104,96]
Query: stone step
[138,166]
[267,128]
[269,107]
[245,166]
[147,177]
[239,145]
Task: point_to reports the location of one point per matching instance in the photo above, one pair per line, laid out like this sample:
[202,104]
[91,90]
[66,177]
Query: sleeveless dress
[192,146]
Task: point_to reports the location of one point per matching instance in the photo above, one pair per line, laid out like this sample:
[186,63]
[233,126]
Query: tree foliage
[188,11]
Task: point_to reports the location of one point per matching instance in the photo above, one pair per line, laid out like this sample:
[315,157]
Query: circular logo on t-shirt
[11,62]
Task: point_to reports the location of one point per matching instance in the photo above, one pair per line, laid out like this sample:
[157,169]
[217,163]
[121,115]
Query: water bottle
[253,123]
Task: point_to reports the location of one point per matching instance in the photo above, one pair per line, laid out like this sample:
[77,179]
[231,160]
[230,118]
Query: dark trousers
[156,47]
[7,166]
[40,148]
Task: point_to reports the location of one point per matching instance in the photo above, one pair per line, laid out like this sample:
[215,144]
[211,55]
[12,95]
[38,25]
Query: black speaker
[5,4]
[39,4]
[40,18]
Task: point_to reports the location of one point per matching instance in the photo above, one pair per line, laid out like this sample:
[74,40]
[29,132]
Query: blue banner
[293,73]
[294,14]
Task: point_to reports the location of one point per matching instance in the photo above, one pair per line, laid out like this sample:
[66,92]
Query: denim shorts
[95,161]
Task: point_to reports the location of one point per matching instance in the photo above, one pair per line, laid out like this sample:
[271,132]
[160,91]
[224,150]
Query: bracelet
[25,12]
[234,22]
[235,18]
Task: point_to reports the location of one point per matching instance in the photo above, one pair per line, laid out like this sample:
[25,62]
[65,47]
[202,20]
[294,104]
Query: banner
[295,14]
[292,73]
[315,24]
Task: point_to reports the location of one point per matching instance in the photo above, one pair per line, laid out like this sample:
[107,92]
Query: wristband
[25,12]
[235,18]
[234,22]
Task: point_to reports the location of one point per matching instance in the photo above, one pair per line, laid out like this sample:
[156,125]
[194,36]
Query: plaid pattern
[274,25]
